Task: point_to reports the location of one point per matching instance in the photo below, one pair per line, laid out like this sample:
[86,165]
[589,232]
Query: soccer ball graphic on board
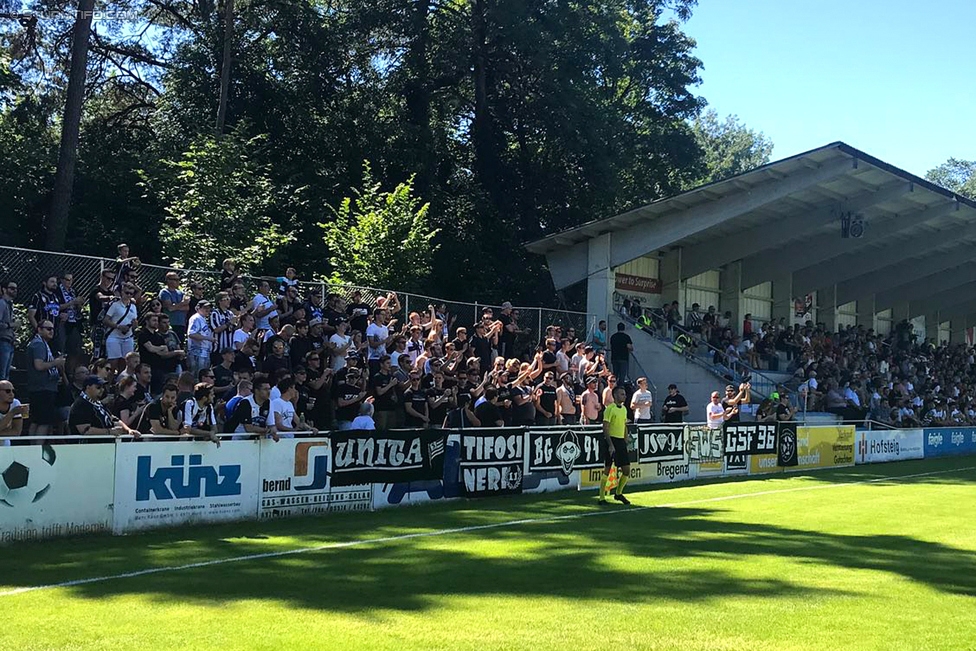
[26,474]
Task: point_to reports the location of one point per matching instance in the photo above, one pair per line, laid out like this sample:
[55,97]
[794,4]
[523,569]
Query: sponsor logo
[935,440]
[885,447]
[185,479]
[320,469]
[672,470]
[767,462]
[958,438]
[787,447]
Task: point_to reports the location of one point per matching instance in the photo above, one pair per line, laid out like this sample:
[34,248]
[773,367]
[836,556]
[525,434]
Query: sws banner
[564,450]
[660,443]
[491,462]
[374,457]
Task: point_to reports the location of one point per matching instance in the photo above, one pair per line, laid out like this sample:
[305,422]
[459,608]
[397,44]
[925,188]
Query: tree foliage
[382,239]
[509,119]
[219,203]
[956,175]
[729,146]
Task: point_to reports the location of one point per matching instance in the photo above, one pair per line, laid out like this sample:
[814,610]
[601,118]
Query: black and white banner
[786,445]
[749,439]
[703,444]
[373,457]
[565,450]
[660,443]
[492,461]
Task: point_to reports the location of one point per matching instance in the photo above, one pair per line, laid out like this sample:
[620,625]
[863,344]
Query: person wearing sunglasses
[11,413]
[43,377]
[8,331]
[119,321]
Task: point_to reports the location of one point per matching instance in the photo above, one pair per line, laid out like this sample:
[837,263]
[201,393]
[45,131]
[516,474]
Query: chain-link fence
[30,267]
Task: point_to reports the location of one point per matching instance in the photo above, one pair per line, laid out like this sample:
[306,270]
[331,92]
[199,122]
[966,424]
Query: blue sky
[891,77]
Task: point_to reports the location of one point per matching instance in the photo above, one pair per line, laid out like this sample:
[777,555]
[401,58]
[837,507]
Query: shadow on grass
[564,558]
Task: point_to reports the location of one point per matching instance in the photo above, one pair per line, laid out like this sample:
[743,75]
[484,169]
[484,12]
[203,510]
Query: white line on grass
[446,532]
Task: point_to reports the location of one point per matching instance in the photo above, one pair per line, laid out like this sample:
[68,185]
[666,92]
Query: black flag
[786,444]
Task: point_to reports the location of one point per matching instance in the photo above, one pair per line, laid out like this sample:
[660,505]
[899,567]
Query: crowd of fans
[127,360]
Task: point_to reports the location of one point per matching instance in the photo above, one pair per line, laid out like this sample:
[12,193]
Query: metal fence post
[475,314]
[406,308]
[540,331]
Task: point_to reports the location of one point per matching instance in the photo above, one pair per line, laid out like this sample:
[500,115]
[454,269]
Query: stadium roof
[784,217]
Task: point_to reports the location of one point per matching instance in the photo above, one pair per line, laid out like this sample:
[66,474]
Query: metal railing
[29,267]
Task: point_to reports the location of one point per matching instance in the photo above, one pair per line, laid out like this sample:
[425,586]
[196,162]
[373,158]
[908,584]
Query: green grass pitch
[872,557]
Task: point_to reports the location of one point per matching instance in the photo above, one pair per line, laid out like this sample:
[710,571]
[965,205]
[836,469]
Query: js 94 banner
[660,443]
[492,461]
[567,449]
[374,457]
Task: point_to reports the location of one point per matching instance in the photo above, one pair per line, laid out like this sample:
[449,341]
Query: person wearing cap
[313,305]
[200,337]
[675,406]
[350,393]
[89,417]
[509,328]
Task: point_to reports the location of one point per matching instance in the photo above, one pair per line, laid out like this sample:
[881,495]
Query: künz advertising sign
[167,483]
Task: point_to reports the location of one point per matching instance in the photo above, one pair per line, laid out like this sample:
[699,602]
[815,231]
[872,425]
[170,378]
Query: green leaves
[956,175]
[220,204]
[729,146]
[381,239]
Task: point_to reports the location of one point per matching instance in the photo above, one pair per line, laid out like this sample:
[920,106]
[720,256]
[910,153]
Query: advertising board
[824,446]
[55,490]
[879,446]
[949,441]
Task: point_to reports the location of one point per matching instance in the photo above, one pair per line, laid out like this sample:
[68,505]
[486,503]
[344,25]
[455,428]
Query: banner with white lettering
[564,449]
[749,438]
[295,480]
[657,443]
[492,461]
[374,457]
[175,482]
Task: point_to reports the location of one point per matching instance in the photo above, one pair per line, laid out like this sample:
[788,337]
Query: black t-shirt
[387,401]
[154,411]
[438,413]
[482,350]
[347,392]
[271,365]
[548,398]
[223,377]
[618,345]
[146,336]
[674,402]
[358,314]
[227,279]
[505,392]
[488,414]
[730,404]
[298,348]
[96,305]
[782,412]
[523,414]
[120,403]
[506,336]
[416,398]
[318,400]
[84,413]
[548,358]
[238,303]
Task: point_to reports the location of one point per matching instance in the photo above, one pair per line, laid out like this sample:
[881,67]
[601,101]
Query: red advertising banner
[640,284]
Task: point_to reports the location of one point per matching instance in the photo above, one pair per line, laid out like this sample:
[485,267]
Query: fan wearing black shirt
[784,410]
[319,384]
[349,394]
[675,406]
[545,396]
[384,389]
[415,403]
[358,313]
[487,411]
[160,416]
[621,346]
[88,416]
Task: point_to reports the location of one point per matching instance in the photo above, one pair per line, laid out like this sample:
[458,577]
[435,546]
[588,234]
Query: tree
[956,175]
[729,147]
[381,239]
[220,204]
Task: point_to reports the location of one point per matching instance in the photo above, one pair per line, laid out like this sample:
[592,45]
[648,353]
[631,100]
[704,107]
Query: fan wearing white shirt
[715,413]
[11,413]
[264,307]
[282,412]
[642,402]
[339,345]
[378,337]
[365,418]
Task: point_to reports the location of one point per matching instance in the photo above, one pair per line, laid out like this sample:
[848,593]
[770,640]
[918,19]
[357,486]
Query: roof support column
[827,307]
[783,297]
[957,330]
[730,282]
[672,289]
[600,278]
[866,312]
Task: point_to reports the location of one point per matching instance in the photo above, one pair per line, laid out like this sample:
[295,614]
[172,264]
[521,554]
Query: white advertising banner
[295,480]
[166,483]
[879,446]
[55,490]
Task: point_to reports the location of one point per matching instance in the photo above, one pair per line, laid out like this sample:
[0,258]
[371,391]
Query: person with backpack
[199,419]
[119,321]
